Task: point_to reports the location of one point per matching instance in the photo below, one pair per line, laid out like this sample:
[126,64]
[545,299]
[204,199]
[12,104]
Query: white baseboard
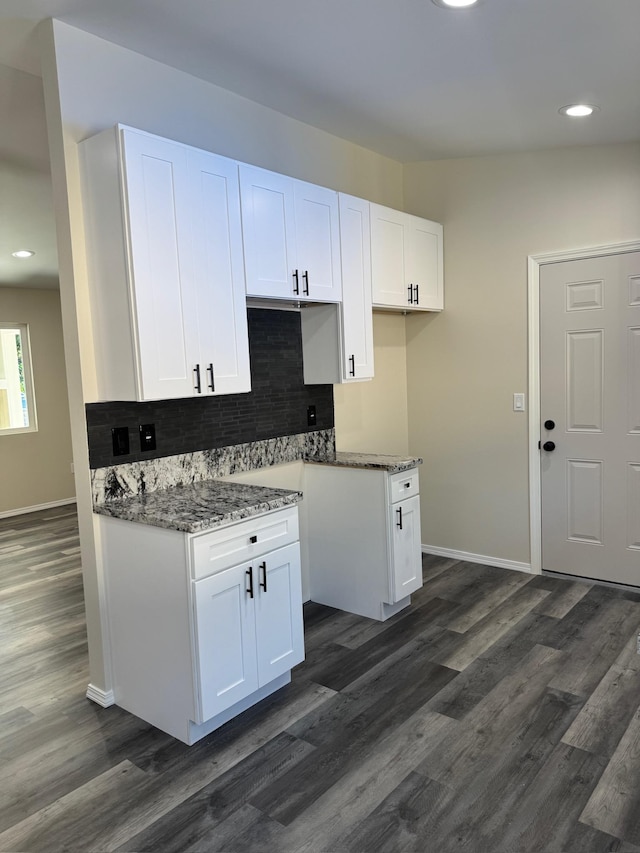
[477,558]
[25,509]
[104,698]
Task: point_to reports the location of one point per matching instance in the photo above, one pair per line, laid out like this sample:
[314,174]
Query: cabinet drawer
[237,543]
[403,485]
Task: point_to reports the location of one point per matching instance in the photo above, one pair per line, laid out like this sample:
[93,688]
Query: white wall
[36,466]
[91,84]
[465,364]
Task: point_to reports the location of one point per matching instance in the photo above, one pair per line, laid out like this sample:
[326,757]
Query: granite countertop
[202,506]
[374,461]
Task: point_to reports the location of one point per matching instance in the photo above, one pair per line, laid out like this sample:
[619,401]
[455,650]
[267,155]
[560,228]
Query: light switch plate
[518,403]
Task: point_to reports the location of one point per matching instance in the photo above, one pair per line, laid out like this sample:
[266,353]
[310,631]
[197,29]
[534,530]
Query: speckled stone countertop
[375,461]
[201,506]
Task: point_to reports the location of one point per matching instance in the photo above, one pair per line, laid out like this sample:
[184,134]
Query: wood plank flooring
[500,713]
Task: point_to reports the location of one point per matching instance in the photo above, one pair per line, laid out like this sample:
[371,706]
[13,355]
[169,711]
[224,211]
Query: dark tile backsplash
[277,404]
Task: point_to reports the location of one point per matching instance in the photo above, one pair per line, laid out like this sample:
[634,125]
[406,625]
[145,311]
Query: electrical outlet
[147,437]
[311,415]
[120,440]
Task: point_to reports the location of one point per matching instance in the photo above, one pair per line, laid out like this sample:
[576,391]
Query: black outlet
[147,437]
[120,440]
[311,415]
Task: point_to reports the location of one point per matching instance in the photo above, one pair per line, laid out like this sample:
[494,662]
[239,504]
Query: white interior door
[590,390]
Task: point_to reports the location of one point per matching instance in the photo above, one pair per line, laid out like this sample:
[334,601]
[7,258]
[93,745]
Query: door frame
[534,262]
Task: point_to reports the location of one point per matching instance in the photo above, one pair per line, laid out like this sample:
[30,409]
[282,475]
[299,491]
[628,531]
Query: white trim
[36,508]
[477,558]
[104,698]
[534,262]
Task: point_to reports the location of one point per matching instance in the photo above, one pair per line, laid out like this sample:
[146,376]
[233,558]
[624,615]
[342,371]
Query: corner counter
[371,461]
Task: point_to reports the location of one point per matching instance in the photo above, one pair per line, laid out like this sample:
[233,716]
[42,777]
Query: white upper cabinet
[406,261]
[166,268]
[337,340]
[291,237]
[357,315]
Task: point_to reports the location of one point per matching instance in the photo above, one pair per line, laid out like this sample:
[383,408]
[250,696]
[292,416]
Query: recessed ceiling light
[23,253]
[578,110]
[455,4]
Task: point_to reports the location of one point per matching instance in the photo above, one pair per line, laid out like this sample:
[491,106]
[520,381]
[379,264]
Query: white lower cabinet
[204,625]
[252,611]
[365,552]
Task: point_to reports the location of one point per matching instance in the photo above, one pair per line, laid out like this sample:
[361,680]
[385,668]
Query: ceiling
[405,78]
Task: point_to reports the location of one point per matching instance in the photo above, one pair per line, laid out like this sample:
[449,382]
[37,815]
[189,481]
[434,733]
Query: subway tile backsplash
[276,406]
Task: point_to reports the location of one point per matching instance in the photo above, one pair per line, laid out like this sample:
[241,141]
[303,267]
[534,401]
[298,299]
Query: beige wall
[372,416]
[91,84]
[36,466]
[465,364]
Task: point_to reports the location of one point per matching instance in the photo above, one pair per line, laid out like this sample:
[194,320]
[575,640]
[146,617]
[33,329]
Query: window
[17,404]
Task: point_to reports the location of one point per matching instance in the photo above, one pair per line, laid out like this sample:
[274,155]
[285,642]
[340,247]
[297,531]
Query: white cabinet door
[268,226]
[278,611]
[318,242]
[225,639]
[357,315]
[425,264]
[157,198]
[389,237]
[406,548]
[220,321]
[248,628]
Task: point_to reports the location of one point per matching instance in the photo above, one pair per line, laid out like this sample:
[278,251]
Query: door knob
[549,424]
[549,446]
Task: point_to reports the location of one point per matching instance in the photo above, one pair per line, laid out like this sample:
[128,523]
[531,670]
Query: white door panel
[221,315]
[278,603]
[318,242]
[406,558]
[159,205]
[590,388]
[584,377]
[633,380]
[268,226]
[225,640]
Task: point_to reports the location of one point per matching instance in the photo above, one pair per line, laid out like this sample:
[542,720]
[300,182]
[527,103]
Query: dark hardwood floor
[498,714]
